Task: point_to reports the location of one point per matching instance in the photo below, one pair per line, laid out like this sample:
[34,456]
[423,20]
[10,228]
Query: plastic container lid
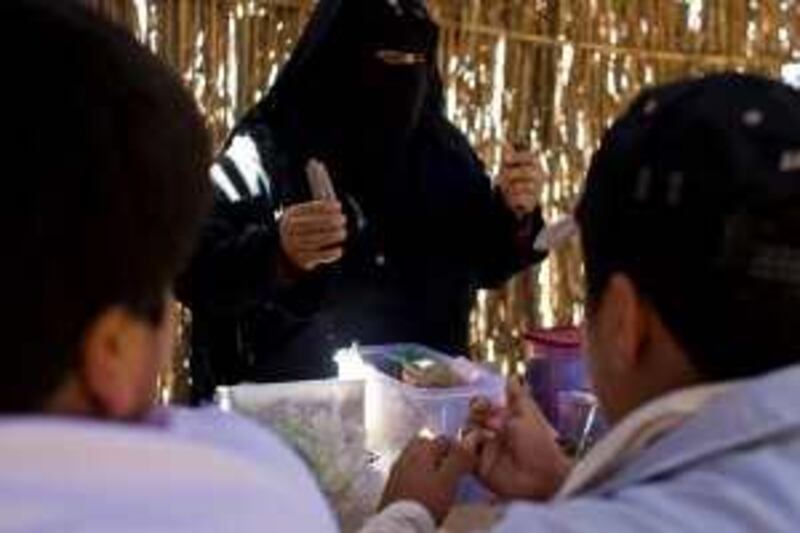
[567,337]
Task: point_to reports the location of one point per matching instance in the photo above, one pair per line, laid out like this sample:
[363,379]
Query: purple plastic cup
[555,365]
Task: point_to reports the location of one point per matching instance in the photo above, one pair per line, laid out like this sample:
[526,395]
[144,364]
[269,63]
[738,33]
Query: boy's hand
[428,473]
[515,449]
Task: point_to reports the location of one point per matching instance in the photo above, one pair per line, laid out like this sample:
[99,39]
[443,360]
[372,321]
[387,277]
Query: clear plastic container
[398,412]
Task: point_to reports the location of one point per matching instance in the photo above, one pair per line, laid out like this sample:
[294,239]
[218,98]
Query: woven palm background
[550,73]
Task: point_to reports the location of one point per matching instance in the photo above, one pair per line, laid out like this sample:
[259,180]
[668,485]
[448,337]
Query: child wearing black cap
[690,224]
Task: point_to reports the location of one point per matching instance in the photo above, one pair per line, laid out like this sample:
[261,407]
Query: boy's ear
[626,315]
[115,349]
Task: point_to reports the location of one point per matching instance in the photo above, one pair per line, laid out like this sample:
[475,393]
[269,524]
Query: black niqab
[335,100]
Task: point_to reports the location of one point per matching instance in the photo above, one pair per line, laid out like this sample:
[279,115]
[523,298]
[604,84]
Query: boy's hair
[105,171]
[695,196]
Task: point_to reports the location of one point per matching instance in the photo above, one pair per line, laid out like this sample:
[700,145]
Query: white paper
[319,181]
[556,235]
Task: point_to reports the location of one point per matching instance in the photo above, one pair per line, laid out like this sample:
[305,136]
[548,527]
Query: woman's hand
[520,181]
[313,233]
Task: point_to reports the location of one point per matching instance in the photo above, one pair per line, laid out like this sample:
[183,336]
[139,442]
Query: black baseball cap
[695,194]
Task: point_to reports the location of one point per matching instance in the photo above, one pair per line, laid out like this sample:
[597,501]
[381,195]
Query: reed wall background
[549,72]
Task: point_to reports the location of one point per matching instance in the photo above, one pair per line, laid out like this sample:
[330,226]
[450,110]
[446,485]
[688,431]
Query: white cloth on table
[183,471]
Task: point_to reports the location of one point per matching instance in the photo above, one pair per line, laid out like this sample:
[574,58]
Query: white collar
[636,432]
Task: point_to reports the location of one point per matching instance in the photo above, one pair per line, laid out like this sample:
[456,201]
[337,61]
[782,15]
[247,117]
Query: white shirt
[185,471]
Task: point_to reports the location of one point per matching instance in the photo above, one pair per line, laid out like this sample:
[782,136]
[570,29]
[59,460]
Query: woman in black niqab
[361,94]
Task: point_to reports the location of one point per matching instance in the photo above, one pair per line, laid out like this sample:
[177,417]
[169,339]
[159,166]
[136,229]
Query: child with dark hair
[106,159]
[690,225]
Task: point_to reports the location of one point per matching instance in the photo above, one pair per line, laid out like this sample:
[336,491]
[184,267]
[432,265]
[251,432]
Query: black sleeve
[237,260]
[502,244]
[506,242]
[239,265]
